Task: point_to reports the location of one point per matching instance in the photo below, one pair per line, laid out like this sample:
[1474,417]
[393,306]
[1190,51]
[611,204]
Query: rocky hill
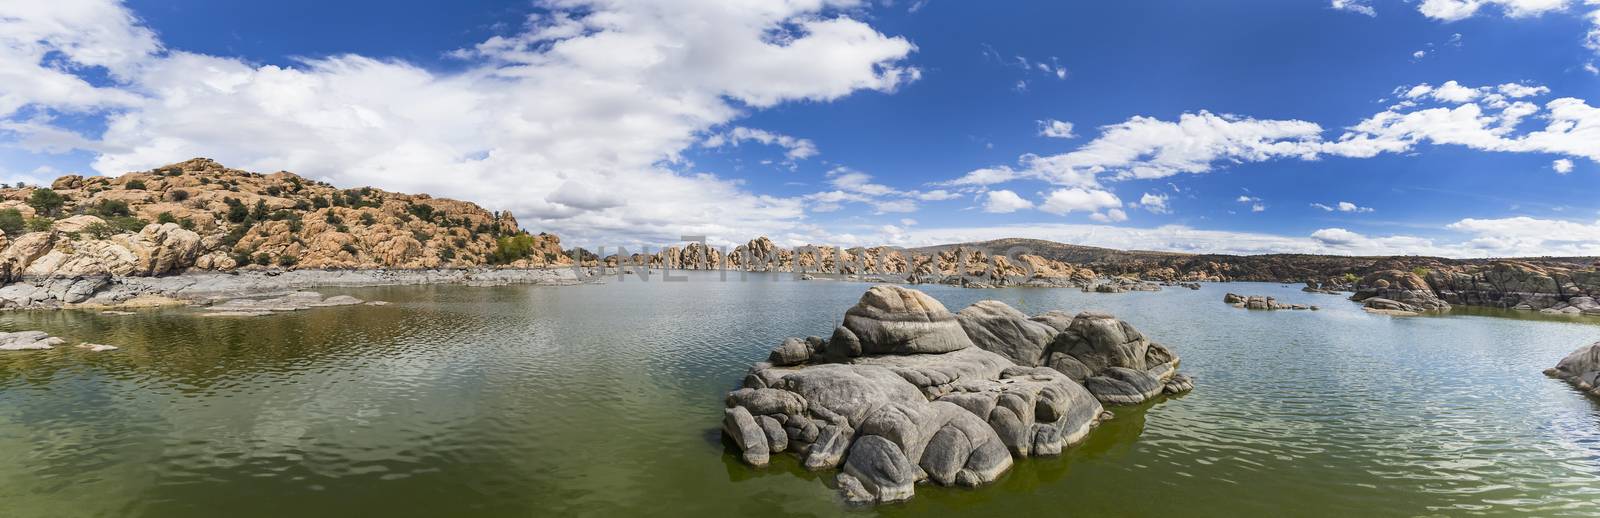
[200,215]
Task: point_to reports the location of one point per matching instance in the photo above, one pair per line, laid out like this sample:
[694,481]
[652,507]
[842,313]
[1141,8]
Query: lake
[606,400]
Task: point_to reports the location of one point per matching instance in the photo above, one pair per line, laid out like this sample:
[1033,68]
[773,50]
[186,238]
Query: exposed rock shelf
[1261,302]
[905,391]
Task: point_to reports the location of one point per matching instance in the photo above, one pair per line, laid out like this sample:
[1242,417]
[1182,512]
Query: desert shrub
[511,248]
[134,184]
[40,224]
[100,230]
[46,201]
[11,221]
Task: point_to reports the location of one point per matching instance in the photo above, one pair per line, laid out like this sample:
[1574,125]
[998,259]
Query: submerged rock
[905,392]
[296,301]
[97,347]
[28,340]
[1581,369]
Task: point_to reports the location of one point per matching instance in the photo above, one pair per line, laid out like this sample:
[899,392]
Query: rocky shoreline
[204,287]
[904,391]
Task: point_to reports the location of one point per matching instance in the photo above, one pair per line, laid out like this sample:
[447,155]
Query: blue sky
[1446,127]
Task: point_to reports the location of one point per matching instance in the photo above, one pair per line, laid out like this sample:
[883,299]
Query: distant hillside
[202,215]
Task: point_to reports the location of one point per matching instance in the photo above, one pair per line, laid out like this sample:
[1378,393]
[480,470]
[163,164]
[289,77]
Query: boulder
[994,326]
[1581,369]
[896,320]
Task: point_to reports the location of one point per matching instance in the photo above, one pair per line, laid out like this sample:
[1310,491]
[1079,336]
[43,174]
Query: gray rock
[1123,386]
[895,320]
[777,439]
[1581,369]
[740,426]
[882,468]
[28,340]
[794,351]
[994,326]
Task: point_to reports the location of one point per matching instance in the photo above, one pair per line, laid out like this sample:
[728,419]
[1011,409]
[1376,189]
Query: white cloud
[1003,201]
[1355,6]
[1527,236]
[1562,166]
[1078,199]
[1419,54]
[599,94]
[1055,129]
[1453,10]
[1258,208]
[1109,216]
[1155,203]
[1147,148]
[1246,199]
[1345,206]
[795,148]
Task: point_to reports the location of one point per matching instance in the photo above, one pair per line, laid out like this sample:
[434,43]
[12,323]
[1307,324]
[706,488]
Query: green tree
[47,202]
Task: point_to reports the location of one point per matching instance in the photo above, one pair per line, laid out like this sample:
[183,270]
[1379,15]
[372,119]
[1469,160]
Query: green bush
[46,202]
[511,248]
[110,209]
[422,211]
[128,223]
[186,223]
[166,217]
[1420,271]
[133,184]
[40,224]
[236,211]
[100,230]
[287,261]
[11,222]
[263,259]
[368,220]
[178,195]
[350,249]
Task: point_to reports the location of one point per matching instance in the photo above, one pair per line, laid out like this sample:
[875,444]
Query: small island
[905,391]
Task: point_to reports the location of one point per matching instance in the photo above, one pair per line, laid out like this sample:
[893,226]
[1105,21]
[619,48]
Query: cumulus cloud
[1055,129]
[1562,166]
[588,97]
[1003,201]
[1155,203]
[1078,199]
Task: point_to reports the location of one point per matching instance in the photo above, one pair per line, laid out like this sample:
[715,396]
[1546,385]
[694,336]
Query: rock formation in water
[904,391]
[1398,291]
[1581,369]
[1261,302]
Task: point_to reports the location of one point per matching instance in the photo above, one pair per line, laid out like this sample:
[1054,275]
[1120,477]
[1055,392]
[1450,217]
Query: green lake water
[605,400]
